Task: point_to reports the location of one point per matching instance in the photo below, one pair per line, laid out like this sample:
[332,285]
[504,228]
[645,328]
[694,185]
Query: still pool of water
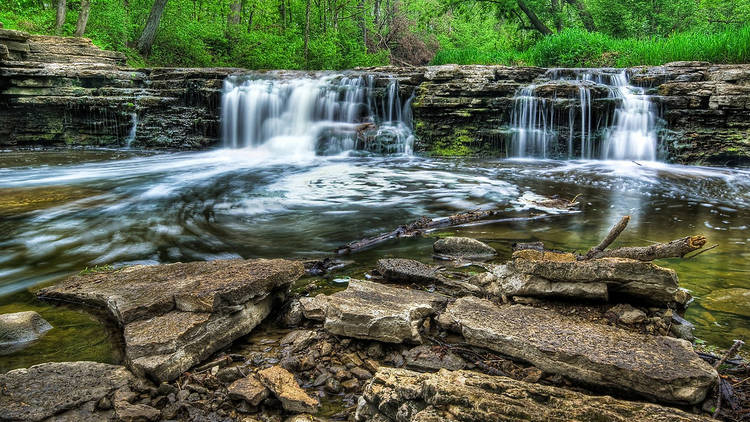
[63,211]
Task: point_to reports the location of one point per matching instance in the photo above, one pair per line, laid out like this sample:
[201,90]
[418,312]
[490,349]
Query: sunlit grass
[579,48]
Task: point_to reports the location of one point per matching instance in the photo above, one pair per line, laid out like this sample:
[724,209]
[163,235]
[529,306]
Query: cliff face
[65,91]
[467,109]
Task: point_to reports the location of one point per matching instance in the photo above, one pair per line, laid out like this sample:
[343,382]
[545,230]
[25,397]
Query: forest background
[340,34]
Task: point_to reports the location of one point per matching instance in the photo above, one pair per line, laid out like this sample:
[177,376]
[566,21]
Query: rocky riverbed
[244,340]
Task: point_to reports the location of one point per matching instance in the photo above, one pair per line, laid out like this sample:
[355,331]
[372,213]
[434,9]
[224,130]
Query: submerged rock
[734,301]
[463,247]
[374,311]
[174,316]
[283,385]
[659,368]
[20,329]
[42,391]
[402,395]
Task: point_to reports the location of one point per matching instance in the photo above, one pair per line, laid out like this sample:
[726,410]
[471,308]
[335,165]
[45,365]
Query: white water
[133,129]
[302,117]
[632,135]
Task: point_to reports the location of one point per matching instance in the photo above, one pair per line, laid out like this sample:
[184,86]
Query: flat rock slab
[656,367]
[176,315]
[399,270]
[374,311]
[409,271]
[402,395]
[41,391]
[283,385]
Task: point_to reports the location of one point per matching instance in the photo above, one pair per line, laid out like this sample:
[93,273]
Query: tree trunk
[235,12]
[149,32]
[363,22]
[60,20]
[586,18]
[307,29]
[556,13]
[282,13]
[535,21]
[83,18]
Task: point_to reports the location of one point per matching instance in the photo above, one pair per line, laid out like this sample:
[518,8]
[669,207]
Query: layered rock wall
[65,91]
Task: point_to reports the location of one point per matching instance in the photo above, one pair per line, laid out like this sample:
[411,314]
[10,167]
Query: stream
[63,211]
[310,164]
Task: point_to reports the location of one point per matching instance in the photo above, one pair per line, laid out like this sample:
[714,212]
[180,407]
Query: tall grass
[579,48]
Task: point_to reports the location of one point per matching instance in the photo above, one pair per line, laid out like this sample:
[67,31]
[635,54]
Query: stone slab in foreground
[42,391]
[176,315]
[657,367]
[375,311]
[402,395]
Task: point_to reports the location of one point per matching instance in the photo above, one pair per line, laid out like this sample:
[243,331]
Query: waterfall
[539,118]
[307,116]
[133,129]
[633,136]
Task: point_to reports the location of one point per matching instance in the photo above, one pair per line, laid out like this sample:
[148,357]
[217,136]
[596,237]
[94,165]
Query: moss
[458,145]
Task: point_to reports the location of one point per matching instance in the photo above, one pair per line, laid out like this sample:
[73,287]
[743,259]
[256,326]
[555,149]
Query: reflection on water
[245,203]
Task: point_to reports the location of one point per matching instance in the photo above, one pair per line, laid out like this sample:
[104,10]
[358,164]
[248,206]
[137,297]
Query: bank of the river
[458,110]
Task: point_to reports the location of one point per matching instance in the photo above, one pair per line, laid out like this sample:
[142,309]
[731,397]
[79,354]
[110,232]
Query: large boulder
[20,329]
[656,367]
[552,274]
[174,316]
[49,389]
[402,395]
[374,311]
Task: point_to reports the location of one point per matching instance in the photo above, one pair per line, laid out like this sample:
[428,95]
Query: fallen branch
[416,228]
[675,249]
[731,352]
[611,236]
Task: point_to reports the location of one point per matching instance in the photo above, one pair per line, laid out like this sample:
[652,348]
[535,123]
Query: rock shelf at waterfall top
[421,346]
[685,112]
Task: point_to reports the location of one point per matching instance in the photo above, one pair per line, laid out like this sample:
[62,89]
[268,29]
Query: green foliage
[348,33]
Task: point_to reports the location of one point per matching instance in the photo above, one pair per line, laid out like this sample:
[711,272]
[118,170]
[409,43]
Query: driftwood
[416,228]
[611,236]
[677,248]
[674,249]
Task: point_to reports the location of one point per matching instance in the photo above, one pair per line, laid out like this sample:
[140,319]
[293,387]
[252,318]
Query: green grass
[97,269]
[578,48]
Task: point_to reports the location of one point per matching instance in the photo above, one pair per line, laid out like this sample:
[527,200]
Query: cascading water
[133,129]
[305,116]
[543,112]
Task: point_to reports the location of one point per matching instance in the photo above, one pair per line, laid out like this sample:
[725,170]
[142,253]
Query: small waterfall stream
[603,115]
[307,116]
[133,129]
